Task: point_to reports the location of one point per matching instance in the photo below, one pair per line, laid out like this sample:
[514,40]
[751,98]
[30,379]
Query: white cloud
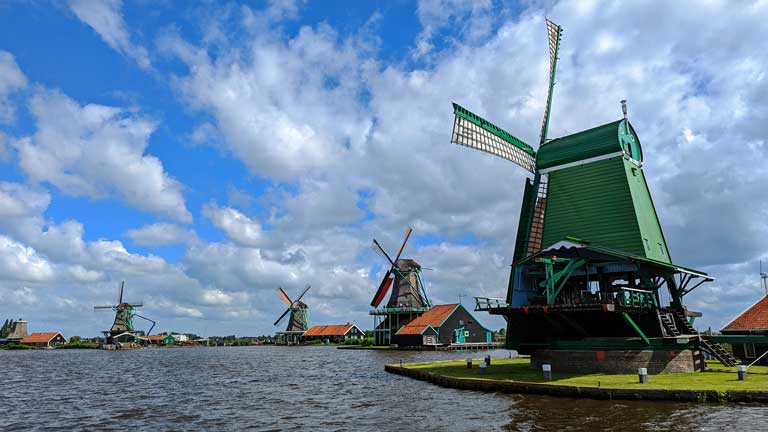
[97,151]
[18,262]
[237,226]
[105,18]
[17,200]
[160,234]
[291,107]
[11,80]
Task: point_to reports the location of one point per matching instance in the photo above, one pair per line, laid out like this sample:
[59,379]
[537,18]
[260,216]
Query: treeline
[7,327]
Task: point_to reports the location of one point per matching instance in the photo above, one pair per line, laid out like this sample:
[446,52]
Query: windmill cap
[407,263]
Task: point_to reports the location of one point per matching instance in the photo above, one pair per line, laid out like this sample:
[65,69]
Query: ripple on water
[299,388]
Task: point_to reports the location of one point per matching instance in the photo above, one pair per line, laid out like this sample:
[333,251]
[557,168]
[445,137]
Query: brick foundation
[620,361]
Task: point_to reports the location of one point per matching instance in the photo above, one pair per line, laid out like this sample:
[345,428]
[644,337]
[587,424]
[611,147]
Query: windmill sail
[554,32]
[473,131]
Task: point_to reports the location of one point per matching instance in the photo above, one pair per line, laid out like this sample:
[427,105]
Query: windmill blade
[120,293]
[304,292]
[554,32]
[383,288]
[282,316]
[471,130]
[402,246]
[380,250]
[103,307]
[284,296]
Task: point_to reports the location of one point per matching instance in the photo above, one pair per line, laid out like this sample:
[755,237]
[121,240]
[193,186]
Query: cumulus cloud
[18,262]
[96,151]
[17,200]
[105,18]
[237,226]
[160,234]
[290,107]
[11,80]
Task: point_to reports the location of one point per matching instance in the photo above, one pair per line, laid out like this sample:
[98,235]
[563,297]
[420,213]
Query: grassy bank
[719,379]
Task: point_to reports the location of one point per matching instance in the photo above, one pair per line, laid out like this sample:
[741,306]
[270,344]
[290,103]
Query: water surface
[300,388]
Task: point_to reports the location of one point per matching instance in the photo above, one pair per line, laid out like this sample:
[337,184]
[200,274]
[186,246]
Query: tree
[75,339]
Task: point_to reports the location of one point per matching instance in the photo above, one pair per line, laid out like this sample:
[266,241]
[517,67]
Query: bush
[76,345]
[19,347]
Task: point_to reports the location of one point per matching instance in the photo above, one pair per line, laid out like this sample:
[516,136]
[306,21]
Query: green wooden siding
[606,203]
[647,219]
[593,202]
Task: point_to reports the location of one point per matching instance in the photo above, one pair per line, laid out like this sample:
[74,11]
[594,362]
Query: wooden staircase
[670,323]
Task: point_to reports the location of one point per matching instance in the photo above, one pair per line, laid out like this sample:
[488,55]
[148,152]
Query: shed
[443,325]
[753,321]
[46,339]
[334,333]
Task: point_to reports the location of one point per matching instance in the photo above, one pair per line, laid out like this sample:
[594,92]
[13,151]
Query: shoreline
[558,388]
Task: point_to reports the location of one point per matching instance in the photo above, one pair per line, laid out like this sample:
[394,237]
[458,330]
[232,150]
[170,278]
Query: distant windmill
[298,322]
[408,299]
[122,328]
[764,278]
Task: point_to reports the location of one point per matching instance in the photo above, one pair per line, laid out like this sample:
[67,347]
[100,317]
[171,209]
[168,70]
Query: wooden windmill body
[591,267]
[298,319]
[408,299]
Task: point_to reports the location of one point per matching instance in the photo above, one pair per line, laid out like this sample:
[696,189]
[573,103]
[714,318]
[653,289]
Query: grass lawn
[720,378]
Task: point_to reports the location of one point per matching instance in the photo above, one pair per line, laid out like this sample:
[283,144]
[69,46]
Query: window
[749,351]
[461,322]
[647,245]
[470,322]
[661,249]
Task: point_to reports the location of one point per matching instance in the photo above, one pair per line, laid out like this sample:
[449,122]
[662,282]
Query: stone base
[619,361]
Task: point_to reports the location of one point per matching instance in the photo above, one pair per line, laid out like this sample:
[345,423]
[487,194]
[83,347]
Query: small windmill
[408,299]
[122,328]
[764,278]
[298,322]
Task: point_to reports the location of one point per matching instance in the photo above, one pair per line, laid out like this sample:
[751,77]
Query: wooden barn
[751,322]
[334,333]
[47,340]
[443,325]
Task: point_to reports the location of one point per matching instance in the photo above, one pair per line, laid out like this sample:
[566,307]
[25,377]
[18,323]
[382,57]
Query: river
[300,389]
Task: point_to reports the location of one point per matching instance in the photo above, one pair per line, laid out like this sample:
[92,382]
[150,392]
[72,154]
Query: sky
[209,152]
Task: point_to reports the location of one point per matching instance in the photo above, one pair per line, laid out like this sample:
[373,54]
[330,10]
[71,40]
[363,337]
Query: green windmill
[591,272]
[122,332]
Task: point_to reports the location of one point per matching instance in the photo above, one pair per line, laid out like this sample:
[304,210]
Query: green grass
[720,378]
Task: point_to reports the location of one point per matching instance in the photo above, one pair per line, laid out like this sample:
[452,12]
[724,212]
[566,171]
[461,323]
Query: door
[488,337]
[458,335]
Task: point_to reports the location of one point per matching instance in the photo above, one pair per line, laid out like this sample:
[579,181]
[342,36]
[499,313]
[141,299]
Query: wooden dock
[474,346]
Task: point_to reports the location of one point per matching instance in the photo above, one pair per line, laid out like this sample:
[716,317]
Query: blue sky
[208,152]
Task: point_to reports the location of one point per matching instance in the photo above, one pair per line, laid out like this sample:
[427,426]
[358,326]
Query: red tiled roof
[39,337]
[433,317]
[329,330]
[754,318]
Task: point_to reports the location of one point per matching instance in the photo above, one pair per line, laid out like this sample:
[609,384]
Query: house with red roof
[753,321]
[443,325]
[334,333]
[46,340]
